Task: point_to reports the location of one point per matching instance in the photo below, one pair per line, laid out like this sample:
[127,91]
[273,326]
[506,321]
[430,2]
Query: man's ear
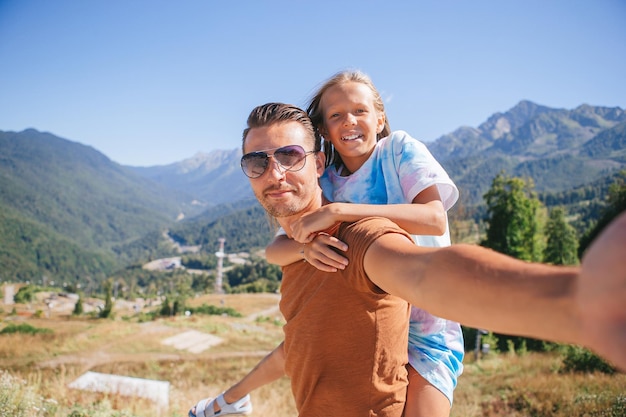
[320,163]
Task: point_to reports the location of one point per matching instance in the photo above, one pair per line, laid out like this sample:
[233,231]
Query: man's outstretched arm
[482,288]
[601,293]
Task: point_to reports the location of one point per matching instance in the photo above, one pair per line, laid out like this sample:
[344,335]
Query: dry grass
[531,385]
[505,385]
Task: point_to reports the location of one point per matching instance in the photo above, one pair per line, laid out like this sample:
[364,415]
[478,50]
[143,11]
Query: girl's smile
[351,122]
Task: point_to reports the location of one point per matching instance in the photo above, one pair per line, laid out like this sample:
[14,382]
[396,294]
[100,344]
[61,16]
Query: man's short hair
[272,113]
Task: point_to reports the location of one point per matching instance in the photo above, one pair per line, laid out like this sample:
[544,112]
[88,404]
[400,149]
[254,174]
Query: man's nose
[276,169]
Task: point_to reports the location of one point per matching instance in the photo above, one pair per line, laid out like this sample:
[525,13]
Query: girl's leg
[269,369]
[423,399]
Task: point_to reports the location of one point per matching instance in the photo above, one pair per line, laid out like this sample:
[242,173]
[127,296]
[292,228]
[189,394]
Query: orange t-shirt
[345,338]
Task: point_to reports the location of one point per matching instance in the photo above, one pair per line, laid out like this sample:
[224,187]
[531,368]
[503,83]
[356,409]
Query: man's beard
[281,209]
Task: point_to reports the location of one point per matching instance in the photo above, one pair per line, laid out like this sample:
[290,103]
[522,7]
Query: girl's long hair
[316,113]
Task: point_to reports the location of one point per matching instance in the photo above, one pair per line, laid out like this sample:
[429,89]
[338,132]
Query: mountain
[68,211]
[79,192]
[212,178]
[63,203]
[557,148]
[244,225]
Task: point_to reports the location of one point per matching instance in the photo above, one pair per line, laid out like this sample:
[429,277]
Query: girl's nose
[349,119]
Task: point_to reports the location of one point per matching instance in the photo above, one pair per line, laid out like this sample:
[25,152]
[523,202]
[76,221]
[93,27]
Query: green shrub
[24,328]
[100,409]
[78,307]
[275,321]
[492,340]
[26,294]
[578,359]
[19,400]
[215,311]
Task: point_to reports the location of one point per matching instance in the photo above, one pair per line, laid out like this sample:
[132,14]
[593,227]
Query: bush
[78,307]
[26,294]
[215,311]
[99,409]
[578,359]
[258,286]
[17,399]
[24,328]
[492,340]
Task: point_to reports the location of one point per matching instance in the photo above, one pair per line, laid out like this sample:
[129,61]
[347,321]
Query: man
[346,332]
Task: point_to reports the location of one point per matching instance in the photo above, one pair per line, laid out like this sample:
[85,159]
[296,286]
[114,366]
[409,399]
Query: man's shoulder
[367,229]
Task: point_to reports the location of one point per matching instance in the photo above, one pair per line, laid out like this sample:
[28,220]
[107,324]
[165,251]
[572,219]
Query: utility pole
[219,289]
[478,346]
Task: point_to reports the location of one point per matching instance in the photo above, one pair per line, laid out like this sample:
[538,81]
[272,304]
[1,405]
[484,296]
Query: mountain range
[558,148]
[67,209]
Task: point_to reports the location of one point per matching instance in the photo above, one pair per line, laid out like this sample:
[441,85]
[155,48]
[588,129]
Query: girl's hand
[306,227]
[319,252]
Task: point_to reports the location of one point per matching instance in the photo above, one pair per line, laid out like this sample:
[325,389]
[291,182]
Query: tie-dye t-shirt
[399,169]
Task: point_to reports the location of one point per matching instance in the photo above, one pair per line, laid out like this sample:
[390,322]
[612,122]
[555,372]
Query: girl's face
[351,122]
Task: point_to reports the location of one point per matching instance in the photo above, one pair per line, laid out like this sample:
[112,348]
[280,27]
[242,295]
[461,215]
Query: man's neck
[285,222]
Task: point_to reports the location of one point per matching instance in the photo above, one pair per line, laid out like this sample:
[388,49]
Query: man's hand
[601,293]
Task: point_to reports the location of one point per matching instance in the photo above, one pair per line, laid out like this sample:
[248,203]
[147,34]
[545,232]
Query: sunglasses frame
[267,156]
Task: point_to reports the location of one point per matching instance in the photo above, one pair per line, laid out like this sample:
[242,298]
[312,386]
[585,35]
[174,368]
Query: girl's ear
[380,123]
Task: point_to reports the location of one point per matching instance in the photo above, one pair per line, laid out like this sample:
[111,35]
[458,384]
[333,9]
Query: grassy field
[35,369]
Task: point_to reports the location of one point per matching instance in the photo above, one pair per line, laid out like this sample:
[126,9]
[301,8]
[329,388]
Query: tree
[78,307]
[514,218]
[616,203]
[242,277]
[108,302]
[562,242]
[166,308]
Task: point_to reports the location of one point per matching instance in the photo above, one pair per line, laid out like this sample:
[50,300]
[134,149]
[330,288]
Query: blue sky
[151,82]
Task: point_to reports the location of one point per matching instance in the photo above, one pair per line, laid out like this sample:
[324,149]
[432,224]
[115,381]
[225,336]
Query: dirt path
[186,339]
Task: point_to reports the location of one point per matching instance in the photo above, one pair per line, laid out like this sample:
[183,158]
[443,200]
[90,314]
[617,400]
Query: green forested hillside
[69,212]
[30,251]
[65,206]
[586,203]
[609,144]
[244,225]
[78,192]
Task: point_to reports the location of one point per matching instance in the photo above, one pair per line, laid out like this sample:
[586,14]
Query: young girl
[370,172]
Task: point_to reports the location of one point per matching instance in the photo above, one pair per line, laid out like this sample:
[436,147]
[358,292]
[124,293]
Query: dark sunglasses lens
[254,164]
[289,156]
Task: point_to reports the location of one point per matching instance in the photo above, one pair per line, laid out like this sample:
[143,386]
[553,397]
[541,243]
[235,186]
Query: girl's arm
[319,252]
[425,216]
[283,251]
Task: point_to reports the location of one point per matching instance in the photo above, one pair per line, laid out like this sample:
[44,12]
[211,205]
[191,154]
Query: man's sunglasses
[290,158]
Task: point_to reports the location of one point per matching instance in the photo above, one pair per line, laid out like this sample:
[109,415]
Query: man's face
[285,193]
